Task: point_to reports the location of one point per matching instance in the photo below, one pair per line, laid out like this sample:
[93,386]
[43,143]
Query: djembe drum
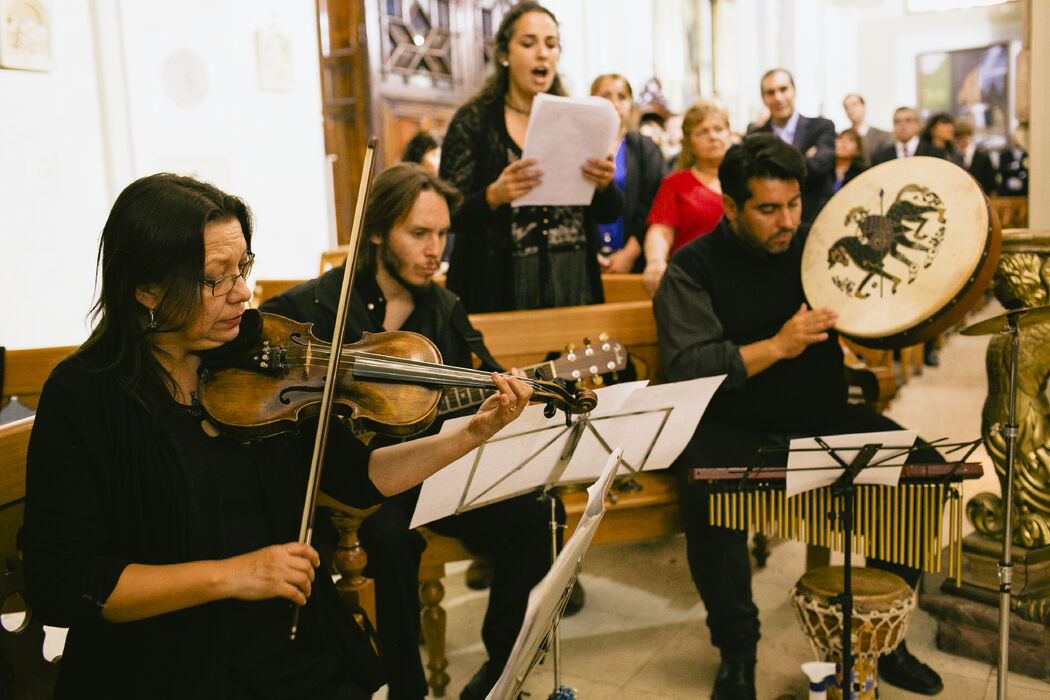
[902,252]
[882,606]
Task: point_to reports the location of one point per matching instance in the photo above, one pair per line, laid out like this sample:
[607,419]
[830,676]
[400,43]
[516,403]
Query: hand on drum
[278,571]
[517,179]
[600,172]
[803,329]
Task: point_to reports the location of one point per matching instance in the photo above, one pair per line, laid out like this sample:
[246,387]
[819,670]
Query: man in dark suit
[874,139]
[906,140]
[813,136]
[975,159]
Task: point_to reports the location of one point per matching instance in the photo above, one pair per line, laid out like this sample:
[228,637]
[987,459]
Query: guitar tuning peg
[586,341]
[598,381]
[569,347]
[603,337]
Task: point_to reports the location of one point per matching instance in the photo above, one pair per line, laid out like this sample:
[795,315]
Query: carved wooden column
[968,615]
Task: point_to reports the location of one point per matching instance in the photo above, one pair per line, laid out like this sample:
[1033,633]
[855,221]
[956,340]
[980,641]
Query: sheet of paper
[809,470]
[653,423]
[547,598]
[563,133]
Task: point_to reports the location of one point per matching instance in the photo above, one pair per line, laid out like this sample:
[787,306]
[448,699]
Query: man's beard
[392,263]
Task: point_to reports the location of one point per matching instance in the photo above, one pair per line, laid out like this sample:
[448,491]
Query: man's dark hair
[853,94]
[771,71]
[394,193]
[763,156]
[418,146]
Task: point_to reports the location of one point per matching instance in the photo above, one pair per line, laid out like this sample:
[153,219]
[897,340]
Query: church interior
[275,102]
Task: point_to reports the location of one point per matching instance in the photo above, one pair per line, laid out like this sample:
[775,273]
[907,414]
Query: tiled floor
[642,635]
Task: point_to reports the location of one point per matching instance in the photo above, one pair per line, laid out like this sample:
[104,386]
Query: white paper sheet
[804,473]
[563,133]
[653,423]
[547,598]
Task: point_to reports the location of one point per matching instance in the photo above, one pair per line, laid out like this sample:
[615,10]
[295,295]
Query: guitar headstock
[590,361]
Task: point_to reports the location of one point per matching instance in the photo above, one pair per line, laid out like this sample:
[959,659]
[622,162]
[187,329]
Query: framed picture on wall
[969,82]
[25,34]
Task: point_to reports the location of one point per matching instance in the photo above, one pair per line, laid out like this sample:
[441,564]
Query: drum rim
[963,298]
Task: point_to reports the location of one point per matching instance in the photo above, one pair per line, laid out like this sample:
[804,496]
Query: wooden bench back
[26,370]
[520,338]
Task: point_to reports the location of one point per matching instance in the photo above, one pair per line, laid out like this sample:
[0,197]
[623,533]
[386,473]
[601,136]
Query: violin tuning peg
[603,337]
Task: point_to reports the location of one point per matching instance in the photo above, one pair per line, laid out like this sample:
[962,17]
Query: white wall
[72,137]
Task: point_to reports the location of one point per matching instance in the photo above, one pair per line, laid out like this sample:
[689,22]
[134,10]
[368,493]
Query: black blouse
[107,485]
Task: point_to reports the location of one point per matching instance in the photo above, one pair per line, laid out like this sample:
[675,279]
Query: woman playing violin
[167,548]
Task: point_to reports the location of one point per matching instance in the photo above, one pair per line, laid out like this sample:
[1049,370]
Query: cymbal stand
[1009,432]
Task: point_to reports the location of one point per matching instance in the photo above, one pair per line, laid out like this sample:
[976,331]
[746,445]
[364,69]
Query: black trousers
[719,560]
[514,534]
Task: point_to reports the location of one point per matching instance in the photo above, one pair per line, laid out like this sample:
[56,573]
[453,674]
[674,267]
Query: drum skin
[902,252]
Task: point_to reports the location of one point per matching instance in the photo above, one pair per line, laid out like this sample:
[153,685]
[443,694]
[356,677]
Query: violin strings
[393,368]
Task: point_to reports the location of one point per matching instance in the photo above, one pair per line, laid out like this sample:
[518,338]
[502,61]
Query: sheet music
[804,474]
[547,598]
[653,423]
[563,133]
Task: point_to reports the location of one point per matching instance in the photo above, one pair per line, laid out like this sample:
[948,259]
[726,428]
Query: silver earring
[152,319]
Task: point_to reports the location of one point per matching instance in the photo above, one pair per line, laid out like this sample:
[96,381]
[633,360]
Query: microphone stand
[1009,432]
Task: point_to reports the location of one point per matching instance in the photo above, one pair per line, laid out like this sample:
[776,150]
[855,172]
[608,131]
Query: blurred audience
[873,139]
[974,158]
[850,160]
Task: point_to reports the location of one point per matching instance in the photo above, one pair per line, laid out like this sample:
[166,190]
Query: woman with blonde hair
[689,203]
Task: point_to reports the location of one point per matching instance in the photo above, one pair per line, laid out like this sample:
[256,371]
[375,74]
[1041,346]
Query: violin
[271,378]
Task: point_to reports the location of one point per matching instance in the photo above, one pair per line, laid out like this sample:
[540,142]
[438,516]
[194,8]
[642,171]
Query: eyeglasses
[224,285]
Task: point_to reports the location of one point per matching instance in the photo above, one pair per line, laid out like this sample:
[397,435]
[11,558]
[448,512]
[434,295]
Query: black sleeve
[822,164]
[70,567]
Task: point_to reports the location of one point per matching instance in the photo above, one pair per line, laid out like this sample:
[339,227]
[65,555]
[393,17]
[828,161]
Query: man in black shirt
[731,302]
[404,231]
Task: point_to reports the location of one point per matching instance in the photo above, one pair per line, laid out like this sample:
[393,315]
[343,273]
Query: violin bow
[306,526]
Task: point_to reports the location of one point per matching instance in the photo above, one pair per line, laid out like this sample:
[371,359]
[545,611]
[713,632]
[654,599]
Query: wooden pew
[25,372]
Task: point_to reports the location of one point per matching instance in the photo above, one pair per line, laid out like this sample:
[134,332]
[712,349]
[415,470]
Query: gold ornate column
[968,615]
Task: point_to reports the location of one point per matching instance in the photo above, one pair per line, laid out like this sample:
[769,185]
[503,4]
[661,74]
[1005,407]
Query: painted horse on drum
[880,235]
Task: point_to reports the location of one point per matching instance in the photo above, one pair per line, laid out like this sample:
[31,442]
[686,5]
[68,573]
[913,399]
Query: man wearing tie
[906,140]
[814,137]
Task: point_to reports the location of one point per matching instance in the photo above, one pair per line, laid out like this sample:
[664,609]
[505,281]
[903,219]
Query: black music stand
[845,486]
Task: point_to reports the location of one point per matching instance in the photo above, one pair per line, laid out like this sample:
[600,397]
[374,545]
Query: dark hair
[771,71]
[495,87]
[853,94]
[858,159]
[154,237]
[934,120]
[394,192]
[762,156]
[597,83]
[418,146]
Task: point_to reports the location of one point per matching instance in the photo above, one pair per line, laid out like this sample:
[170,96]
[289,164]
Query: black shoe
[930,358]
[903,670]
[576,599]
[479,575]
[735,680]
[478,687]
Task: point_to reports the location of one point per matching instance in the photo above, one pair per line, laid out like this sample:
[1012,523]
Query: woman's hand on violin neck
[499,409]
[277,571]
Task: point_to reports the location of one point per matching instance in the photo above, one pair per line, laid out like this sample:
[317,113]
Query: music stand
[548,598]
[845,486]
[653,423]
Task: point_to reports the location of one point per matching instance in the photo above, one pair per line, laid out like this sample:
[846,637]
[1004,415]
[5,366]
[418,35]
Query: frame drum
[901,252]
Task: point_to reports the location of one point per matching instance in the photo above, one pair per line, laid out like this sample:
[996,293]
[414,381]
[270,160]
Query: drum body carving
[901,252]
[882,607]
